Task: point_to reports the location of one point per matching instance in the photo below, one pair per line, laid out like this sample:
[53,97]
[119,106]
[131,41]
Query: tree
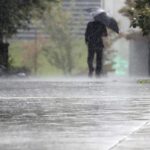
[14,15]
[138,11]
[31,53]
[60,50]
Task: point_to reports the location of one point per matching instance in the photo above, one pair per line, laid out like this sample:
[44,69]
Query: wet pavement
[74,114]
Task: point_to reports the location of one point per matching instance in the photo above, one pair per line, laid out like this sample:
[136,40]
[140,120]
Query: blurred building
[80,15]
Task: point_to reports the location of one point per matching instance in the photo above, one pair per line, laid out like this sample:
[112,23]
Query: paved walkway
[137,140]
[71,114]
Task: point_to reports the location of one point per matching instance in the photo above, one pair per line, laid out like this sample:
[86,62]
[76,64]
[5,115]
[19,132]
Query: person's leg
[90,61]
[99,61]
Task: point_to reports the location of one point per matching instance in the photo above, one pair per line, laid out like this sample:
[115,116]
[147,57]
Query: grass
[18,50]
[144,81]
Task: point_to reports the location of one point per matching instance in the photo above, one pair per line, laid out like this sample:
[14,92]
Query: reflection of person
[93,37]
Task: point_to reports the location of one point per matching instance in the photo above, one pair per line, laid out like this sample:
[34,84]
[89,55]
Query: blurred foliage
[16,14]
[138,11]
[61,50]
[144,81]
[22,55]
[30,57]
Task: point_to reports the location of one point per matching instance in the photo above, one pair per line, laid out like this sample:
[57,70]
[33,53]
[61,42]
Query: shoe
[91,72]
[98,73]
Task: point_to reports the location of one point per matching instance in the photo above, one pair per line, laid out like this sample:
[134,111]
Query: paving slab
[137,140]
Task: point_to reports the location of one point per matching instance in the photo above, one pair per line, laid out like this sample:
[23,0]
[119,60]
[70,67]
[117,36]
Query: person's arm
[87,33]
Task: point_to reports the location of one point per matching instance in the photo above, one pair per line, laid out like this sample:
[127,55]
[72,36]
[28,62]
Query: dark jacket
[94,33]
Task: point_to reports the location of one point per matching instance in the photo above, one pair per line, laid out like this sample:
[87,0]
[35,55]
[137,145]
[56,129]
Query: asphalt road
[74,114]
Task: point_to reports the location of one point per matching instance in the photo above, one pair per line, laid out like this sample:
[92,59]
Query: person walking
[95,30]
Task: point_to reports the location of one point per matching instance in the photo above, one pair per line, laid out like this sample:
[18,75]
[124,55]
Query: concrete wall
[139,56]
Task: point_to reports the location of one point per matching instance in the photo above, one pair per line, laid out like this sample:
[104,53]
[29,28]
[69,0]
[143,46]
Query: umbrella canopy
[110,22]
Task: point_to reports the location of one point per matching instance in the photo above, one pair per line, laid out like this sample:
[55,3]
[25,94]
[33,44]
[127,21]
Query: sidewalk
[137,140]
[74,114]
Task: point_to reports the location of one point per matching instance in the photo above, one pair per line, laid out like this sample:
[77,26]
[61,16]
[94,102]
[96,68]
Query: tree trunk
[149,54]
[4,54]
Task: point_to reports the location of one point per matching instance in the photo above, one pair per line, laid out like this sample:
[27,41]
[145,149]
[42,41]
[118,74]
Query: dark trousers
[99,56]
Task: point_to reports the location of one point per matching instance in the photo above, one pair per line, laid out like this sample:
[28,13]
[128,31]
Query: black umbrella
[110,22]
